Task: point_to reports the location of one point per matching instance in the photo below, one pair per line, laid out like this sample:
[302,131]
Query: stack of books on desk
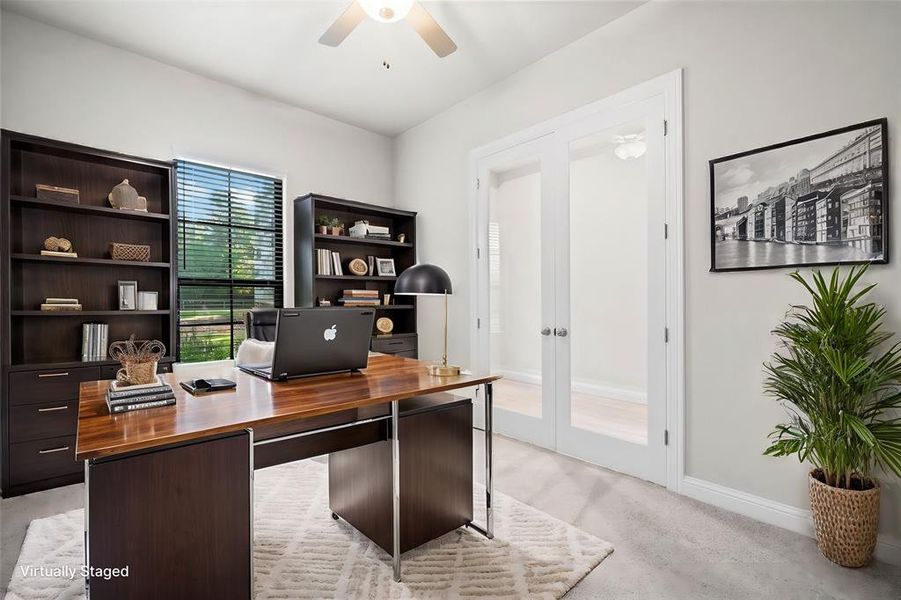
[135,397]
[360,298]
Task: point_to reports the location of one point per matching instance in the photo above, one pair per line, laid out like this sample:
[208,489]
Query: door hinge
[666,335]
[478,183]
[478,323]
[478,253]
[666,231]
[666,437]
[665,127]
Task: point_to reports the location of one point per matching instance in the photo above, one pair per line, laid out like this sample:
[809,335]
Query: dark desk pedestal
[435,437]
[179,518]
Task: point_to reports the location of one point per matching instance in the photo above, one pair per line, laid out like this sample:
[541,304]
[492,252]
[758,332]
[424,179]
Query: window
[229,256]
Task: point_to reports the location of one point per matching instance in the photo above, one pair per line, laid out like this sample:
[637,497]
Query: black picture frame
[720,220]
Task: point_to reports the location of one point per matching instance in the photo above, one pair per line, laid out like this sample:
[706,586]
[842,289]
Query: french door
[572,288]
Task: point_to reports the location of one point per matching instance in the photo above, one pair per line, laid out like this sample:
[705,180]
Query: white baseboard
[594,389]
[774,513]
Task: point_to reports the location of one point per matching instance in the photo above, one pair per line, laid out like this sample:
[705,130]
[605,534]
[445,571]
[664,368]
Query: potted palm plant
[839,383]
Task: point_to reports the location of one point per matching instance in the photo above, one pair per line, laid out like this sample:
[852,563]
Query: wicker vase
[137,373]
[846,521]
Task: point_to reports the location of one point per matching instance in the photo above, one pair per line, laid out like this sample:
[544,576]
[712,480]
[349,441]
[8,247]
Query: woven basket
[137,373]
[135,252]
[846,521]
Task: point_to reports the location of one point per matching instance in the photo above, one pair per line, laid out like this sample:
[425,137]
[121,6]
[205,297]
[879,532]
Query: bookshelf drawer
[42,459]
[391,345]
[40,421]
[35,387]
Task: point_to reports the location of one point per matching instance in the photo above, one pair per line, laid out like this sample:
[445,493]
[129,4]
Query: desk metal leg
[87,512]
[488,530]
[395,487]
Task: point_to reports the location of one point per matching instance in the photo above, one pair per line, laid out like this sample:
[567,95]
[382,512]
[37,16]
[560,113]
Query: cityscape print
[818,200]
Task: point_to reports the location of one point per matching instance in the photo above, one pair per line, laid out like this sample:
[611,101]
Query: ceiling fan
[390,11]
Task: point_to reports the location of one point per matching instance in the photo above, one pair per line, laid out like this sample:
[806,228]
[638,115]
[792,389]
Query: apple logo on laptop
[330,333]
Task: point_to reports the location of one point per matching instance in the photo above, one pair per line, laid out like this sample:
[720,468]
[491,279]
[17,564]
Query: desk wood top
[253,402]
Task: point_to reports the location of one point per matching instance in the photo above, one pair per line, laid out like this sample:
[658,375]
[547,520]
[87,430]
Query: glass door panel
[519,297]
[609,285]
[514,274]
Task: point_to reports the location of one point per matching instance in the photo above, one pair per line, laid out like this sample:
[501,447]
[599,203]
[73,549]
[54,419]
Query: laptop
[316,341]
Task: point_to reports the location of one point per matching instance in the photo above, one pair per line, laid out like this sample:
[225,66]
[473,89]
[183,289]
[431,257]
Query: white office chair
[210,368]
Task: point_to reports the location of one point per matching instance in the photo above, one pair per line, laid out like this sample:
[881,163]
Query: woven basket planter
[846,522]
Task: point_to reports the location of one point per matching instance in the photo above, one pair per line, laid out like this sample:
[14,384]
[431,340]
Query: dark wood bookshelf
[310,286]
[40,350]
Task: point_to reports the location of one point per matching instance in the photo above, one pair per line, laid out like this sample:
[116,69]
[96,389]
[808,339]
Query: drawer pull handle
[53,408]
[43,375]
[52,450]
[395,343]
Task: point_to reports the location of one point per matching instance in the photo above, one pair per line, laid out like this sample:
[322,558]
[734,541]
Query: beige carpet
[300,552]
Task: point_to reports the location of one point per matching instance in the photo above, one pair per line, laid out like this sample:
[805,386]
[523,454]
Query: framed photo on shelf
[128,295]
[818,200]
[385,267]
[148,300]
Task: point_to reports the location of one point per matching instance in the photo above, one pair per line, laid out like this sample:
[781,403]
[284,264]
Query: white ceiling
[270,48]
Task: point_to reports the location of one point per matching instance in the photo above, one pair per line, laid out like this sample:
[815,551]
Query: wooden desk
[169,490]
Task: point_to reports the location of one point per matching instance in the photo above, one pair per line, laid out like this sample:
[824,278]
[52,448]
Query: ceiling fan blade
[343,25]
[430,31]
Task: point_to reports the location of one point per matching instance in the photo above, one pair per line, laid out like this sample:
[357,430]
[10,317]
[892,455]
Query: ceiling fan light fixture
[386,11]
[630,146]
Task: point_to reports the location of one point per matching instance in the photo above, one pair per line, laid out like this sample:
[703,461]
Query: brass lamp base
[444,370]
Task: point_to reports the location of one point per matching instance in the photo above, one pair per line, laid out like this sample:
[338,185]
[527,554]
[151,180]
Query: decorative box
[52,192]
[135,252]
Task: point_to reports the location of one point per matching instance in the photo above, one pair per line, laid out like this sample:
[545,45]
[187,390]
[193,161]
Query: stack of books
[328,262]
[360,298]
[135,397]
[54,304]
[375,232]
[94,341]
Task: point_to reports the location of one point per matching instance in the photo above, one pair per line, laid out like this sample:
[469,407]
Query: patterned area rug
[300,552]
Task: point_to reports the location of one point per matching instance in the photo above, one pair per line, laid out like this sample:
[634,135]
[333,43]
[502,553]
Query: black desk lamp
[429,280]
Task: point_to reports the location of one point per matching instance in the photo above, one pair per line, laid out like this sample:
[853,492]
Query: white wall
[63,86]
[755,74]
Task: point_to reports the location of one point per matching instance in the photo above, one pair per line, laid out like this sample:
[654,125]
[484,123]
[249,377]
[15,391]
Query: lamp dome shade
[423,279]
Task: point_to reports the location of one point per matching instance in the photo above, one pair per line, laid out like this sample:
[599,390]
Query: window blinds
[229,255]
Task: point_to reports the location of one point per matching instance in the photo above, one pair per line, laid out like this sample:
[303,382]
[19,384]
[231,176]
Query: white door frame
[670,86]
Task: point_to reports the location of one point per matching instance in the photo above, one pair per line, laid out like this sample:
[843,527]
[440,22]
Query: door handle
[546,331]
[561,332]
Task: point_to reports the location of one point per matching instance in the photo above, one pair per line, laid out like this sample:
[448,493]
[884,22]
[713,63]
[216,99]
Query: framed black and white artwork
[385,267]
[817,200]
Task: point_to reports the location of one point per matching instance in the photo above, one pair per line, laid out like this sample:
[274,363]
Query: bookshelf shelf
[86,313]
[345,239]
[104,262]
[88,209]
[357,278]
